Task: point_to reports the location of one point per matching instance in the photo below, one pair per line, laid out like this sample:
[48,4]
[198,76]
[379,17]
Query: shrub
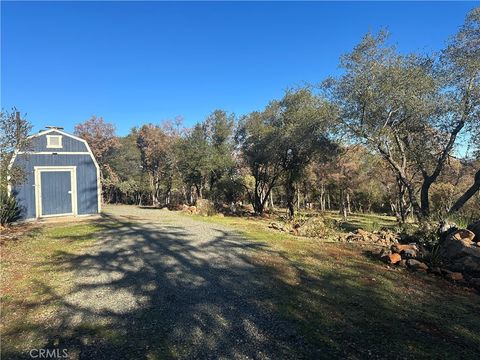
[205,207]
[315,226]
[426,234]
[373,226]
[432,256]
[9,209]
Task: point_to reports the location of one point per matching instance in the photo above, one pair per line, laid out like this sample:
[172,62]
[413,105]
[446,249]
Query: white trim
[59,131]
[89,151]
[49,142]
[38,188]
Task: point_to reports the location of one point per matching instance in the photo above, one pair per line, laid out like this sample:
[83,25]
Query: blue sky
[138,62]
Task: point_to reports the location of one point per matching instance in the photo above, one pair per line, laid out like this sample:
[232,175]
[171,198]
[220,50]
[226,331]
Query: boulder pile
[188,209]
[382,238]
[203,208]
[458,256]
[277,226]
[461,251]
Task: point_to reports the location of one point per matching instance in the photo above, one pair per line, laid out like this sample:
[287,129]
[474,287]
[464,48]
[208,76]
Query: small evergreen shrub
[9,209]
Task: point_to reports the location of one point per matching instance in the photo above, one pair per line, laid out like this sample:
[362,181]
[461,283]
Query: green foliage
[259,142]
[195,154]
[373,226]
[282,140]
[432,256]
[425,234]
[13,137]
[9,209]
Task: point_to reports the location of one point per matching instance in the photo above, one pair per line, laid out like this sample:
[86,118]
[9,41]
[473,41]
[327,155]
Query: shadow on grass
[156,291]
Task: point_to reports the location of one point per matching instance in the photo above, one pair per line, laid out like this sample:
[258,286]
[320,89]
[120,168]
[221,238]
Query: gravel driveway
[163,285]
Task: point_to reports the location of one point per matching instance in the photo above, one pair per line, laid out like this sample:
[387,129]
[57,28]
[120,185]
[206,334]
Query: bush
[314,227]
[426,234]
[432,256]
[9,209]
[373,226]
[205,207]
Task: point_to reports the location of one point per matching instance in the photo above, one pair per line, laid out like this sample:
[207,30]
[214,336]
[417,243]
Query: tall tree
[101,138]
[386,101]
[219,134]
[14,130]
[259,140]
[302,124]
[126,162]
[156,144]
[462,66]
[195,164]
[460,74]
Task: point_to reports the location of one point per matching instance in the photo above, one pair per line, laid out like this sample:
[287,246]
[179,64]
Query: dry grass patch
[33,282]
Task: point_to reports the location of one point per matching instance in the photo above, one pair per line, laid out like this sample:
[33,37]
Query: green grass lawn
[351,305]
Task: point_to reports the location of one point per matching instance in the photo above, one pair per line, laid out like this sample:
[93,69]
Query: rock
[398,248]
[417,265]
[475,228]
[188,209]
[467,263]
[462,255]
[446,227]
[474,282]
[383,253]
[362,232]
[436,270]
[409,254]
[403,263]
[393,258]
[277,226]
[220,215]
[454,276]
[463,234]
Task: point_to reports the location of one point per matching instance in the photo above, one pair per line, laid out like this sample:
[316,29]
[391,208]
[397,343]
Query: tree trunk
[343,205]
[290,197]
[467,195]
[298,197]
[349,210]
[424,196]
[322,197]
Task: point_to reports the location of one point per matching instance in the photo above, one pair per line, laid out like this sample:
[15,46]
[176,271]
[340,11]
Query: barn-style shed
[62,176]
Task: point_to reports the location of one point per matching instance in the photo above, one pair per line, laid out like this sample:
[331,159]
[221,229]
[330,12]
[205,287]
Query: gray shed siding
[87,200]
[86,174]
[69,144]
